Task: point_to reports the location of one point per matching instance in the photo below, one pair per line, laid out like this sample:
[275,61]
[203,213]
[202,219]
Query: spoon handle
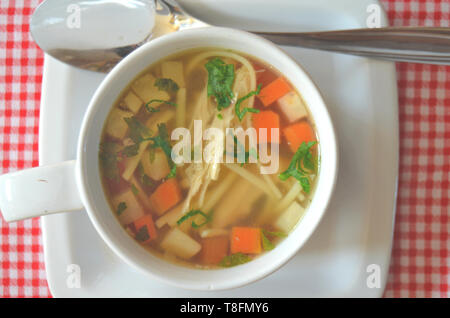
[402,44]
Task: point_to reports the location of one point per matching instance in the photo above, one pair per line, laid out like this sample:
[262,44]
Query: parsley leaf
[266,242]
[234,260]
[155,110]
[166,84]
[137,130]
[240,114]
[108,158]
[162,141]
[220,81]
[193,213]
[302,160]
[121,207]
[134,189]
[131,150]
[142,234]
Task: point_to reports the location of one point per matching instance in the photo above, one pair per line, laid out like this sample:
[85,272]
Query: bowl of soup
[207,158]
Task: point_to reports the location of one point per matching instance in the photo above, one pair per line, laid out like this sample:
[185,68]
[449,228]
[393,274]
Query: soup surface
[209,158]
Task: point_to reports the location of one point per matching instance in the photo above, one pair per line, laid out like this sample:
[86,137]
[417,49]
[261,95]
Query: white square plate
[357,229]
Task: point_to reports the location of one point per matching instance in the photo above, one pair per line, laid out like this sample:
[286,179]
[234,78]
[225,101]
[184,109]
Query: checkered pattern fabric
[420,257]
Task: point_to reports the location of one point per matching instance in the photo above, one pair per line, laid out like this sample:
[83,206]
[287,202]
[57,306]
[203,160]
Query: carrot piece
[245,240]
[266,119]
[166,196]
[145,236]
[214,249]
[297,133]
[270,93]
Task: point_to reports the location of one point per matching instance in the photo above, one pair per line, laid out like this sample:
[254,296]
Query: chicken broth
[222,212]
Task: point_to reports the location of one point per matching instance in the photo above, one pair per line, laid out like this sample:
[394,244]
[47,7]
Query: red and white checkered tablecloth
[420,259]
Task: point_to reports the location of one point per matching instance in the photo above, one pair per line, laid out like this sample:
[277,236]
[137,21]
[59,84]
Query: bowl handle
[39,191]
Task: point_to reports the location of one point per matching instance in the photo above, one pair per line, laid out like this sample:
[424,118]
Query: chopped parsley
[241,113]
[162,141]
[234,260]
[138,131]
[193,213]
[131,150]
[142,234]
[220,82]
[266,242]
[134,189]
[155,110]
[108,158]
[166,84]
[303,159]
[121,207]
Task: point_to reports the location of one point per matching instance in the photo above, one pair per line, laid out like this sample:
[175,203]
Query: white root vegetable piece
[133,211]
[132,102]
[116,126]
[250,177]
[181,107]
[295,190]
[145,88]
[131,163]
[214,195]
[141,195]
[174,71]
[292,106]
[213,232]
[289,218]
[158,168]
[235,205]
[180,244]
[170,217]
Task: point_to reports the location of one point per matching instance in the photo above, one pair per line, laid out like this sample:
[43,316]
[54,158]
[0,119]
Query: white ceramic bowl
[88,189]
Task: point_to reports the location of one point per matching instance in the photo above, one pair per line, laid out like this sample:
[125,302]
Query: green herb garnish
[155,110]
[134,189]
[138,131]
[220,116]
[121,207]
[220,81]
[162,141]
[266,242]
[234,260]
[144,178]
[108,158]
[166,84]
[193,213]
[142,234]
[302,160]
[131,150]
[241,113]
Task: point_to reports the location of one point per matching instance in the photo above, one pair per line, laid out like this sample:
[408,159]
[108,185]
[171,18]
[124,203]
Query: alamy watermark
[227,146]
[74,278]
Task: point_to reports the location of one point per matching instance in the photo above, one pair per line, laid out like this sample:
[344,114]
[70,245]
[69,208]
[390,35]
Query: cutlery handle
[39,191]
[403,44]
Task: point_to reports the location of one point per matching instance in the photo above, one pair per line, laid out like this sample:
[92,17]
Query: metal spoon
[96,35]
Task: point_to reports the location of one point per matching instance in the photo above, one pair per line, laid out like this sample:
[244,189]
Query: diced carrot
[297,133]
[214,249]
[270,93]
[166,196]
[266,119]
[246,240]
[145,221]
